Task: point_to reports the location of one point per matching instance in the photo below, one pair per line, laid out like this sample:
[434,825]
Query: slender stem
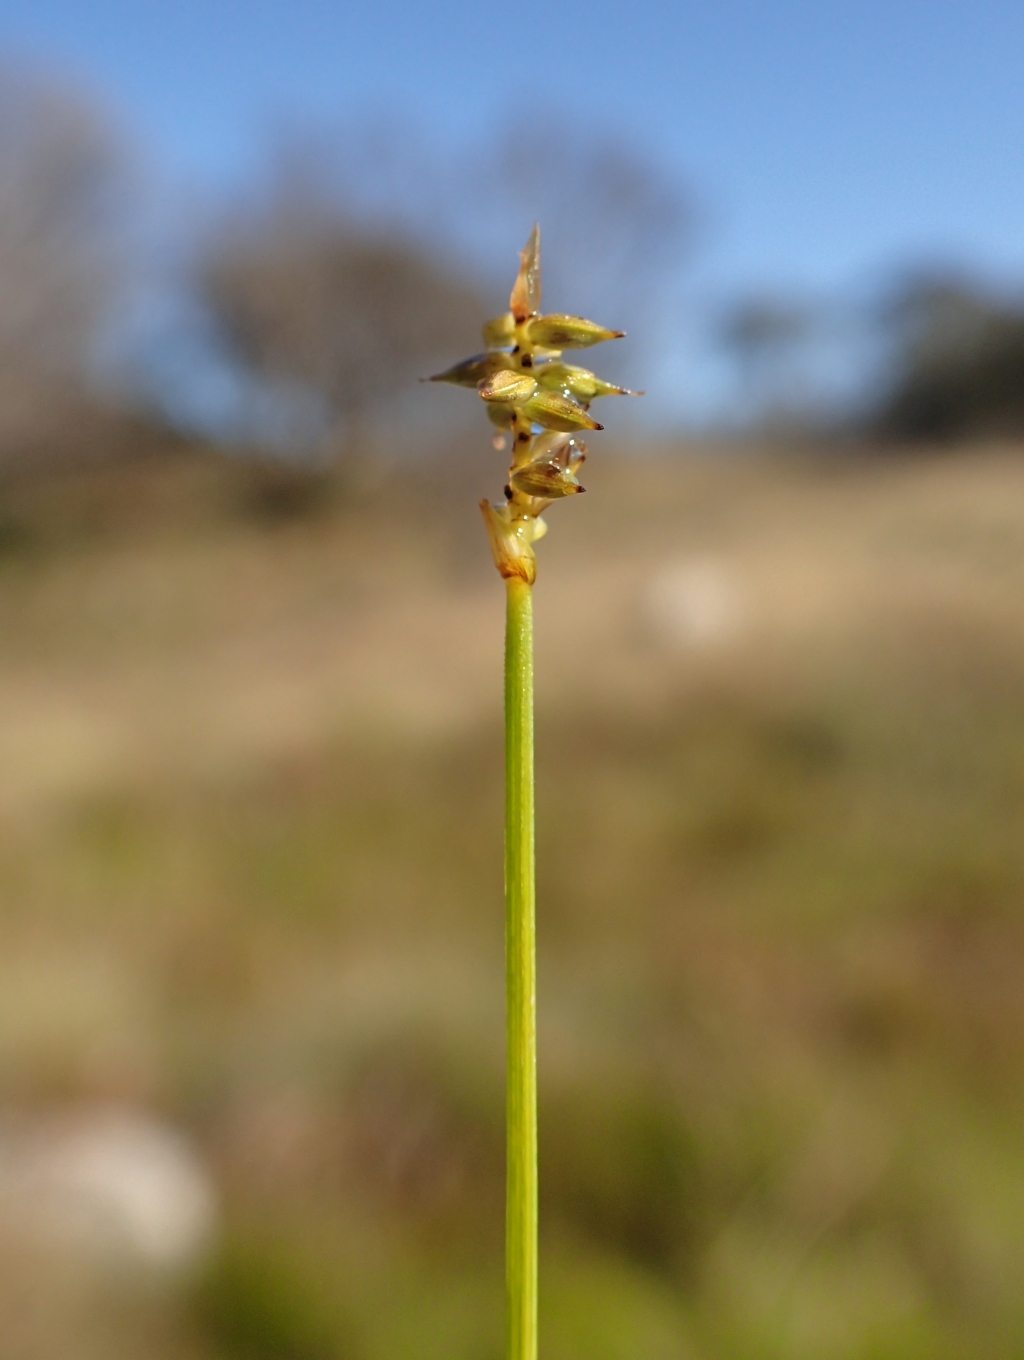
[520,972]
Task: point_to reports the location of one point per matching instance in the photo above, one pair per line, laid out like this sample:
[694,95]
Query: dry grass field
[250,892]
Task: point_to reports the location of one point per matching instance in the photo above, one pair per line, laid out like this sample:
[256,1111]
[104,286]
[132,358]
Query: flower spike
[524,384]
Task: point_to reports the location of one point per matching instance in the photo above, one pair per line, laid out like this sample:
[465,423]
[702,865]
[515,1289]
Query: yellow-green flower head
[569,448]
[554,411]
[578,383]
[508,386]
[550,473]
[523,385]
[472,372]
[558,331]
[547,479]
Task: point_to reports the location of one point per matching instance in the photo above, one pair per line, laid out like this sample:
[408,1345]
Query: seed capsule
[500,331]
[578,383]
[559,331]
[471,372]
[556,412]
[508,386]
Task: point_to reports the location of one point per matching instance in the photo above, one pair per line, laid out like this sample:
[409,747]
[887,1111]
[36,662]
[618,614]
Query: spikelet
[524,384]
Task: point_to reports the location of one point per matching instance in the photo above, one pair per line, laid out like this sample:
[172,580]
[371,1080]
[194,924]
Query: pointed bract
[525,299]
[578,383]
[559,331]
[471,372]
[556,412]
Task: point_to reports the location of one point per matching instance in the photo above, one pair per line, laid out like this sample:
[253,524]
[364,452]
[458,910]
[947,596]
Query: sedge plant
[540,405]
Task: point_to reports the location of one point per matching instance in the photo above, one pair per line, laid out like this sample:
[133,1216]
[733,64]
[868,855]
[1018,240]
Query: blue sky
[825,143]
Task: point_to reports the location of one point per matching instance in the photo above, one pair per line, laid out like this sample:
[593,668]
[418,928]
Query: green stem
[520,972]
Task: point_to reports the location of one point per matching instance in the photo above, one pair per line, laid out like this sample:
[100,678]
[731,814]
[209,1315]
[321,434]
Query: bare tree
[767,337]
[60,182]
[956,360]
[617,224]
[332,319]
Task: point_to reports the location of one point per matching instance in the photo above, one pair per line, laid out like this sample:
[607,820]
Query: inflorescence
[541,402]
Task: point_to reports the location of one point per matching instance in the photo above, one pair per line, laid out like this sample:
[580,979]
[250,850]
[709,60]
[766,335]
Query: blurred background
[251,984]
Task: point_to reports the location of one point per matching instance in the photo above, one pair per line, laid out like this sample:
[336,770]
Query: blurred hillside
[294,312]
[250,786]
[250,872]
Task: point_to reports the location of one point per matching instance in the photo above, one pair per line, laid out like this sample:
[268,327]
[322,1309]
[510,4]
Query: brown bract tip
[525,299]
